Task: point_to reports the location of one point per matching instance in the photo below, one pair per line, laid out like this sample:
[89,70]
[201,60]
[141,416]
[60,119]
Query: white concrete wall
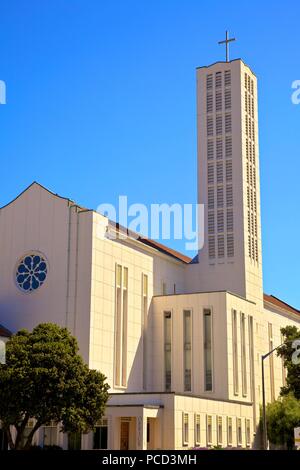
[204,407]
[170,417]
[196,303]
[39,221]
[139,260]
[79,291]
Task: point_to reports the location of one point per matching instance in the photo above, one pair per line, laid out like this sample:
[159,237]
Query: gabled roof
[4,332]
[165,249]
[271,299]
[35,183]
[147,241]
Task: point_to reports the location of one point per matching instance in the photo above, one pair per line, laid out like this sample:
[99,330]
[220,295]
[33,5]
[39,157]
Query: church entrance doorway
[124,435]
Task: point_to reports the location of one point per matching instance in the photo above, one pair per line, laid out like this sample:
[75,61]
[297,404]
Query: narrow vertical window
[209,82]
[211,198]
[211,247]
[221,246]
[211,222]
[219,124]
[229,221]
[219,148]
[164,288]
[210,126]
[271,362]
[228,146]
[207,350]
[210,149]
[168,350]
[209,430]
[121,322]
[227,78]
[229,196]
[220,429]
[218,101]
[228,170]
[118,324]
[227,99]
[251,358]
[209,103]
[235,353]
[228,124]
[239,432]
[218,76]
[229,431]
[243,351]
[185,429]
[101,435]
[248,432]
[125,326]
[144,326]
[187,350]
[220,221]
[230,245]
[220,196]
[197,430]
[210,173]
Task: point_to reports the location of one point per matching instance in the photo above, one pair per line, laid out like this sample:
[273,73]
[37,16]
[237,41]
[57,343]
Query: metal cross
[227,41]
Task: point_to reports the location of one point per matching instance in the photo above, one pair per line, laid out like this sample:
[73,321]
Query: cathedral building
[179,340]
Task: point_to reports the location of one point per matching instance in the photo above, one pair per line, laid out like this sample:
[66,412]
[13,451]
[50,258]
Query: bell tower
[228,179]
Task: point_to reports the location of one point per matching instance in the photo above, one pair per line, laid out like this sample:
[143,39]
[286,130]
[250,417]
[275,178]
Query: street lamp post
[265,436]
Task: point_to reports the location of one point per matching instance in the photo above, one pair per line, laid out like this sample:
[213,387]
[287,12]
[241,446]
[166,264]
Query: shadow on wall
[137,376]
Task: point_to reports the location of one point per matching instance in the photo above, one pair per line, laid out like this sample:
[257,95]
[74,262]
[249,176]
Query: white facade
[179,342]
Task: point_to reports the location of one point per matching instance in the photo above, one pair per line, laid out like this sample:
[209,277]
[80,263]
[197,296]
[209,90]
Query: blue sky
[101,102]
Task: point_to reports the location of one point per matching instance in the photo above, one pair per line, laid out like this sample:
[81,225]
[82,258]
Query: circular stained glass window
[31,272]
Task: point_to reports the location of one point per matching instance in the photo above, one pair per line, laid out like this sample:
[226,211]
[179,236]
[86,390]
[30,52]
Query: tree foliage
[287,352]
[45,378]
[283,415]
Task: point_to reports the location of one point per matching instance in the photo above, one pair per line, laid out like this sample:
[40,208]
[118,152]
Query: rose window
[31,272]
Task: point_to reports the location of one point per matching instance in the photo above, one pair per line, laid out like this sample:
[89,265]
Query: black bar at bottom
[136,459]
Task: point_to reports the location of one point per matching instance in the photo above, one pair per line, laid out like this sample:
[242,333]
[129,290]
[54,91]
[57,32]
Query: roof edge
[41,186]
[224,62]
[4,332]
[276,302]
[146,241]
[152,243]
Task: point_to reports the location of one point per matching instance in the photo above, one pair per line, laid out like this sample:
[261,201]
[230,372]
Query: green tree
[288,352]
[45,378]
[283,415]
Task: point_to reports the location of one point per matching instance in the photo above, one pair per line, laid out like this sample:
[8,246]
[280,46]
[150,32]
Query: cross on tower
[227,41]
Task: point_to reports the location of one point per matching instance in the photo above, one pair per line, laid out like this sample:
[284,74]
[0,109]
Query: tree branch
[9,437]
[20,430]
[28,443]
